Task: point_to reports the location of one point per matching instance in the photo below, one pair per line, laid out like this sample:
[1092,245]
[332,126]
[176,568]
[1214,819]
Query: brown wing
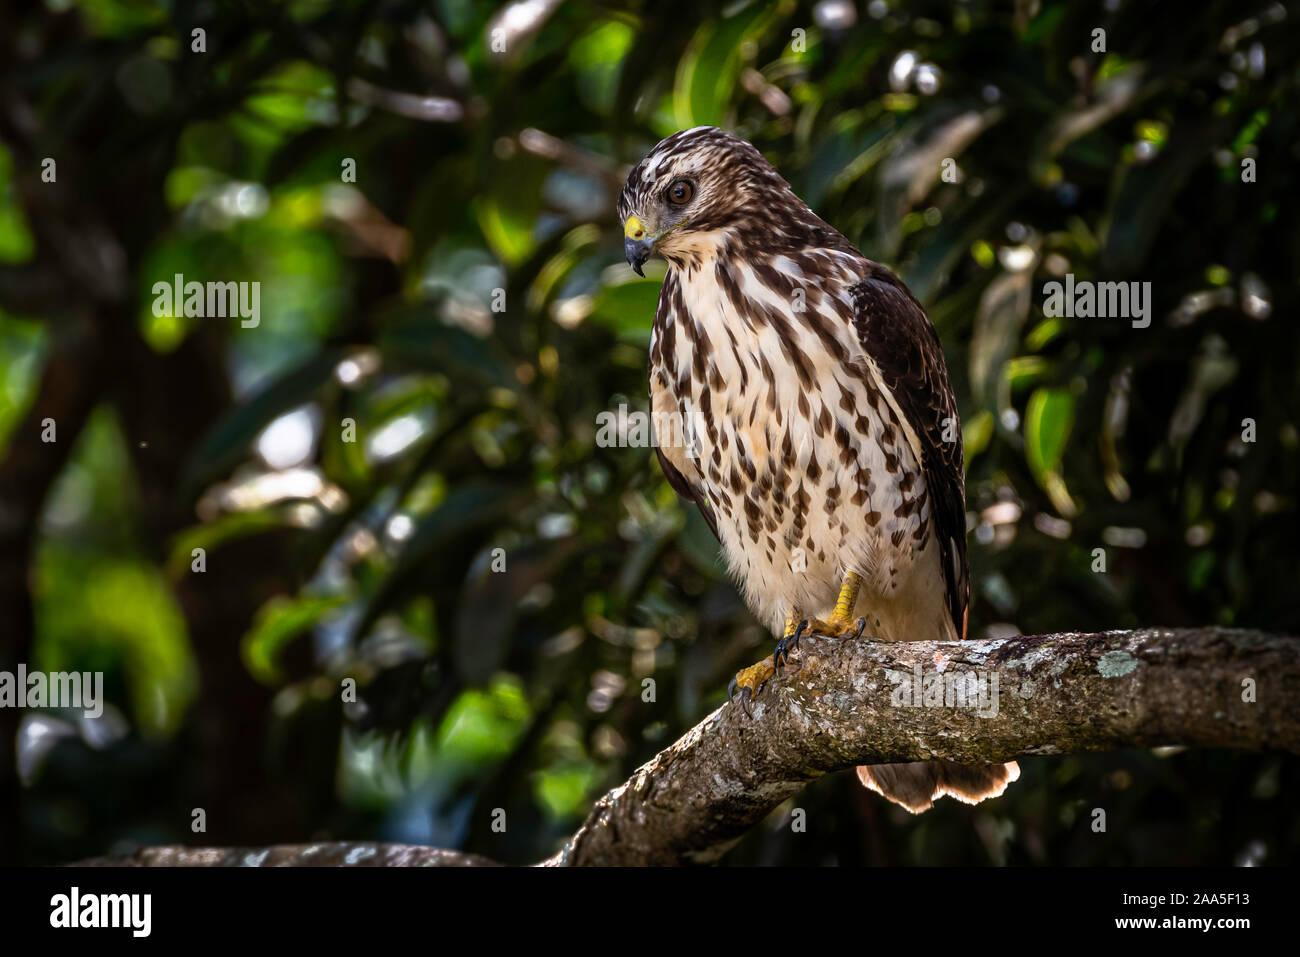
[899,337]
[683,488]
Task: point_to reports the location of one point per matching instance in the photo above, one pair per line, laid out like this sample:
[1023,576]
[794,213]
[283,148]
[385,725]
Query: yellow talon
[841,622]
[848,596]
[835,627]
[749,681]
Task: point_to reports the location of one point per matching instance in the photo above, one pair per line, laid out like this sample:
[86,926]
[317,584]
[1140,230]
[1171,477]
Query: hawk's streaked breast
[813,391]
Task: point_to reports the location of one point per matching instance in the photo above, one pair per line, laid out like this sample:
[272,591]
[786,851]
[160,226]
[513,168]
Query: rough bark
[838,704]
[319,854]
[833,709]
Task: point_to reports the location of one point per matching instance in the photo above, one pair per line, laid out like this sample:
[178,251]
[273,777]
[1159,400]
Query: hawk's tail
[917,785]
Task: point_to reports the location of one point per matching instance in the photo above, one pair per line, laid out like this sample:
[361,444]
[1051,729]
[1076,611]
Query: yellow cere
[632,229]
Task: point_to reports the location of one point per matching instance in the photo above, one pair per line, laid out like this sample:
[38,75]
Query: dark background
[475,428]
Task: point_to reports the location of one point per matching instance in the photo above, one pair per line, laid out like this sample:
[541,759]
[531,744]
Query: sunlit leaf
[1048,421]
[708,71]
[278,622]
[628,308]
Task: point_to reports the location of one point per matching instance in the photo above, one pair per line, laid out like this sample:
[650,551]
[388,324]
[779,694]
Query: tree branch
[838,704]
[832,709]
[319,854]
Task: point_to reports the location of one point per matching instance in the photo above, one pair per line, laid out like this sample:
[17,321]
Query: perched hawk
[820,437]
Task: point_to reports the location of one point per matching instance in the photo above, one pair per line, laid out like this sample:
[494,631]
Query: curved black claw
[783,647]
[746,697]
[862,626]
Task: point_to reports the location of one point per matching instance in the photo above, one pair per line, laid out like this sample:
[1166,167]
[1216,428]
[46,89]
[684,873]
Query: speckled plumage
[815,399]
[818,433]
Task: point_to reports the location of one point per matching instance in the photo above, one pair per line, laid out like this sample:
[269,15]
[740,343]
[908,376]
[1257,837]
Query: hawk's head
[695,191]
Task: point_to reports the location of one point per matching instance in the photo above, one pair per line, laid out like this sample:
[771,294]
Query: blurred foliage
[499,586]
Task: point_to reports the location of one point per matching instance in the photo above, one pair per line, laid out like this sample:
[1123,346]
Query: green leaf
[17,244]
[1024,371]
[628,308]
[597,58]
[211,535]
[483,726]
[976,433]
[1048,422]
[278,622]
[707,72]
[562,791]
[97,612]
[507,210]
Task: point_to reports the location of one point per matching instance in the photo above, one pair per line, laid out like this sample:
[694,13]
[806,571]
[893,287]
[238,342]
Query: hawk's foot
[841,623]
[749,682]
[789,641]
[834,627]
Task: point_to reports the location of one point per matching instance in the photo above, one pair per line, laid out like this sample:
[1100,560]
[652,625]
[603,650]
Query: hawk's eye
[681,192]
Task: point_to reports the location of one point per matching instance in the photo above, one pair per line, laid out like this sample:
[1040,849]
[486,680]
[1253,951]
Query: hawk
[820,438]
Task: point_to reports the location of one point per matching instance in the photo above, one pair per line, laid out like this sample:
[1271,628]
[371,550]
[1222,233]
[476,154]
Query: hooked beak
[637,244]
